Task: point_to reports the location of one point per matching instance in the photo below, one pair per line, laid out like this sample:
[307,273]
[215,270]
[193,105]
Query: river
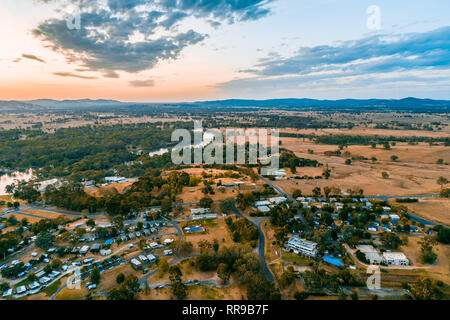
[10,178]
[207,138]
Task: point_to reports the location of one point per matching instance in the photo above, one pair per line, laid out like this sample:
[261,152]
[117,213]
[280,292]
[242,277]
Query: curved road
[261,244]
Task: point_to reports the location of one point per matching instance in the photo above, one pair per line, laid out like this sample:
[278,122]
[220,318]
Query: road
[280,191]
[261,244]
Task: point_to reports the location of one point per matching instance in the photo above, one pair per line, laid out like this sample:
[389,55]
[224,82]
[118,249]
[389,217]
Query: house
[204,216]
[105,252]
[108,242]
[199,210]
[95,247]
[34,287]
[40,274]
[151,258]
[277,200]
[261,203]
[45,280]
[386,228]
[153,245]
[7,293]
[168,252]
[136,264]
[394,217]
[143,258]
[387,209]
[396,258]
[263,209]
[371,254]
[168,241]
[20,291]
[339,206]
[372,227]
[54,274]
[84,249]
[302,246]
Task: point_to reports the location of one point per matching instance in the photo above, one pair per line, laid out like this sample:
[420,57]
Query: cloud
[142,83]
[135,35]
[73,75]
[32,57]
[377,53]
[345,63]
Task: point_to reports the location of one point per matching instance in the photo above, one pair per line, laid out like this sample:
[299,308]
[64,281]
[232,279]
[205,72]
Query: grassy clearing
[51,289]
[295,258]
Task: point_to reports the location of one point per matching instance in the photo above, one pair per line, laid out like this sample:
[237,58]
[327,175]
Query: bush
[301,295]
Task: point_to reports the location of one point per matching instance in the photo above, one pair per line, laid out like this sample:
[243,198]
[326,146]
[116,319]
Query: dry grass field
[414,173]
[434,209]
[20,217]
[372,131]
[51,121]
[215,229]
[110,189]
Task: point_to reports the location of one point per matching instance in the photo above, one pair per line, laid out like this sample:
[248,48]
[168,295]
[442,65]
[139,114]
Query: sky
[192,50]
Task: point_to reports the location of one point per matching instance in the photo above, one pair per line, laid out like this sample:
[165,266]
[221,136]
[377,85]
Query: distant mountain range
[413,104]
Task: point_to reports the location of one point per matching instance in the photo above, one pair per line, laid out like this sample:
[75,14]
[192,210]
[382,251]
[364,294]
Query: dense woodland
[82,152]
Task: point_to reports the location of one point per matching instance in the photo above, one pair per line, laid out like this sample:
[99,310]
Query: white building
[204,216]
[105,252]
[263,209]
[199,210]
[168,241]
[84,249]
[277,200]
[394,217]
[302,246]
[115,179]
[371,254]
[396,258]
[136,263]
[262,203]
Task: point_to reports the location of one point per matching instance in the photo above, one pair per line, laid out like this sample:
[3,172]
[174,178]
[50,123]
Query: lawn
[295,258]
[51,289]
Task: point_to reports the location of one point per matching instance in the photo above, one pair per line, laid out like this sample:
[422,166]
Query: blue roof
[108,242]
[333,260]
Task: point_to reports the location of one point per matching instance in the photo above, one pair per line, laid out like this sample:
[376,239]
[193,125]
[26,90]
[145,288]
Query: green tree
[90,223]
[442,181]
[223,272]
[95,276]
[206,202]
[296,193]
[120,278]
[44,240]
